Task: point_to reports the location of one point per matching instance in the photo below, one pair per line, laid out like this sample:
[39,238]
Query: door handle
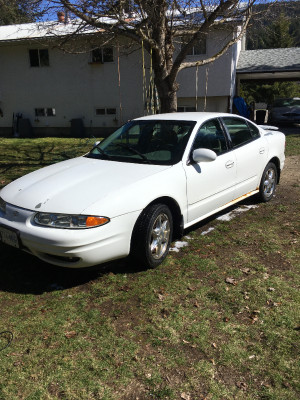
[229,164]
[261,150]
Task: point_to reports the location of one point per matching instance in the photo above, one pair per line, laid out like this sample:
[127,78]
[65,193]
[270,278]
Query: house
[95,85]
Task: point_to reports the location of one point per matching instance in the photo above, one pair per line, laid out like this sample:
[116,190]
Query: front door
[210,185]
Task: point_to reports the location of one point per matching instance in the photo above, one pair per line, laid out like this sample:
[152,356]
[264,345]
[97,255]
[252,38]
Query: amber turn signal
[96,221]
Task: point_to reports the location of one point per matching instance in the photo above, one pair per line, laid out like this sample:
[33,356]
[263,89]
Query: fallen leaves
[241,385]
[246,295]
[196,304]
[185,396]
[272,303]
[161,297]
[231,281]
[187,342]
[246,271]
[70,334]
[254,316]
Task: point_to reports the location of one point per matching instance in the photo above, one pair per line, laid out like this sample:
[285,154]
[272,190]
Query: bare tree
[159,25]
[20,11]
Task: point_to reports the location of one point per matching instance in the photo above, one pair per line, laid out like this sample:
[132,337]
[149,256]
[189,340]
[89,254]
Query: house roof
[269,60]
[48,29]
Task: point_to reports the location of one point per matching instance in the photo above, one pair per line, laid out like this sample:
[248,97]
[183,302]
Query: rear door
[250,152]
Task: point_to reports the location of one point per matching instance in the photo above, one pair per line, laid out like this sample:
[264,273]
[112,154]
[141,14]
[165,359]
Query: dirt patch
[291,172]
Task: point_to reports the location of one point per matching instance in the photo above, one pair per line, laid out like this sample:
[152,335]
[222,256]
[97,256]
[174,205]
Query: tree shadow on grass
[21,272]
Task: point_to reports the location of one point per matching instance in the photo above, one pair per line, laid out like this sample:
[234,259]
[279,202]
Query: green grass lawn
[218,320]
[20,156]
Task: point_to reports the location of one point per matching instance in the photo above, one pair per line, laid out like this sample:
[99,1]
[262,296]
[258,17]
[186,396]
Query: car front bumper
[73,248]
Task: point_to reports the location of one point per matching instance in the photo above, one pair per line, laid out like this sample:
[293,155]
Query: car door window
[211,136]
[238,130]
[254,130]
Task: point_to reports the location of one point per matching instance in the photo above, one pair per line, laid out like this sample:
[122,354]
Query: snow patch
[226,217]
[178,245]
[208,230]
[232,214]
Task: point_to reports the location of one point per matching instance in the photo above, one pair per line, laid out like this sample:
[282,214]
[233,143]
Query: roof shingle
[269,60]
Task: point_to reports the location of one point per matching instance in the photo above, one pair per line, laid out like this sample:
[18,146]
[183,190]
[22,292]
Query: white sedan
[139,188]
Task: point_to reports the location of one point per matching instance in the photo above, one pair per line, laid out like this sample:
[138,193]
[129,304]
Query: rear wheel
[268,182]
[152,235]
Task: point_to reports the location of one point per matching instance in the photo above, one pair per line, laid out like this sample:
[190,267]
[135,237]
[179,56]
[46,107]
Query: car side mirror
[203,155]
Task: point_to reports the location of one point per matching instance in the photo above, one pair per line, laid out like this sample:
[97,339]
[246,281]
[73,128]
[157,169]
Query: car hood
[74,185]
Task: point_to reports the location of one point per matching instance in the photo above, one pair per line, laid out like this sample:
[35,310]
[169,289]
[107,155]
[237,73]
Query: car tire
[152,236]
[268,183]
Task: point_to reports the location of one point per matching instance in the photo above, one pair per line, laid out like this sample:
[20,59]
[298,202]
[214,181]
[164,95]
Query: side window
[186,109]
[105,111]
[39,57]
[254,130]
[44,112]
[103,55]
[211,136]
[199,47]
[238,130]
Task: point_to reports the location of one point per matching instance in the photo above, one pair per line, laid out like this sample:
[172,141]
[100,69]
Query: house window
[186,109]
[105,111]
[39,57]
[103,55]
[44,112]
[198,48]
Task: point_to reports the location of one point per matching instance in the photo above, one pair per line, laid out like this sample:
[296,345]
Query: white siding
[75,88]
[71,85]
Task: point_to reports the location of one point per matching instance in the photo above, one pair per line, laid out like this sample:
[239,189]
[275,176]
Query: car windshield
[146,141]
[287,102]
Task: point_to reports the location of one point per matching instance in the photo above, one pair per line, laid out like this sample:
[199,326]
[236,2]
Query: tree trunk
[168,103]
[164,79]
[167,96]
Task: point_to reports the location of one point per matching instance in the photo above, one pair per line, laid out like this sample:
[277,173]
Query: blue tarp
[241,106]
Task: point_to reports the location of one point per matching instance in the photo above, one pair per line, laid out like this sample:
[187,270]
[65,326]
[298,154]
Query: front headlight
[69,221]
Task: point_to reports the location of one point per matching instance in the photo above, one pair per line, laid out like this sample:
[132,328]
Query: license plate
[9,237]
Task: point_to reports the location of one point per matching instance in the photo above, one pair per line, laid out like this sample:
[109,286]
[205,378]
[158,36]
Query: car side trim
[245,196]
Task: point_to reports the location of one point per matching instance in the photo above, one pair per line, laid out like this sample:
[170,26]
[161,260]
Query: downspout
[236,49]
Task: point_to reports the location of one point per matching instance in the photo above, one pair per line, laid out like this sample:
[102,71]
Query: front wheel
[152,235]
[268,182]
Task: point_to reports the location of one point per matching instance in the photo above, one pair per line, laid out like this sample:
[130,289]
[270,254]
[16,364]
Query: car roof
[185,116]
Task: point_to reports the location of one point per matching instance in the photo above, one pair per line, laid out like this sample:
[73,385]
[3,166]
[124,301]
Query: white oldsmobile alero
[138,188]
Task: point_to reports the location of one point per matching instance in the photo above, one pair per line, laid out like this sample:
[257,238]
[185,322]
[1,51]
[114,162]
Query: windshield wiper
[101,151]
[127,146]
